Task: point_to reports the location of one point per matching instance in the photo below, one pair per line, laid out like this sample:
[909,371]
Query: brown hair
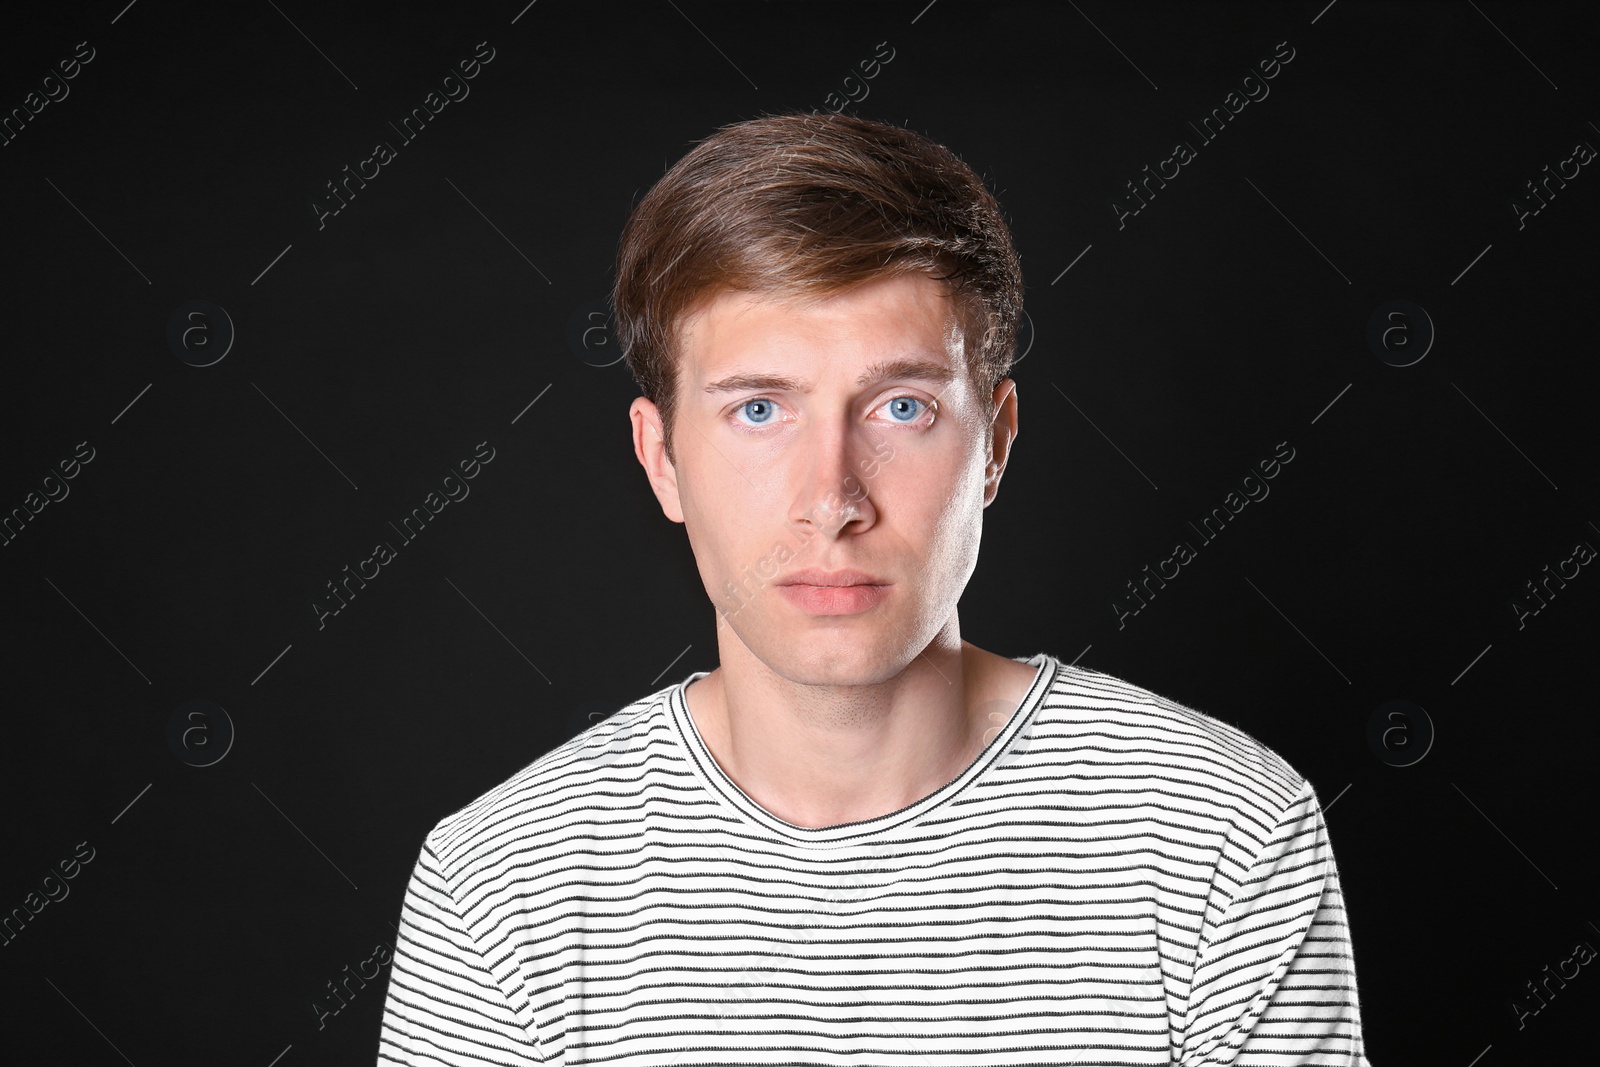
[808,205]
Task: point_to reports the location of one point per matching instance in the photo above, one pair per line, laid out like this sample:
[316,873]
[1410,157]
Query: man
[861,839]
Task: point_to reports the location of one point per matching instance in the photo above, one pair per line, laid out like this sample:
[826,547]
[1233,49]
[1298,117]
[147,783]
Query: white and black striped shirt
[1116,879]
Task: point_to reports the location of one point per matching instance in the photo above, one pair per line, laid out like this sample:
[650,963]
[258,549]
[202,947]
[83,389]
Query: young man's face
[844,435]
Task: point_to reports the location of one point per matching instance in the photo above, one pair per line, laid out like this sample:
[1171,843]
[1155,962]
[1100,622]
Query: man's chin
[830,654]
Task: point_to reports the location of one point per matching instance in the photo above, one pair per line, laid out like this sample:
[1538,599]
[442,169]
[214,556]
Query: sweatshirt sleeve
[1274,979]
[444,1005]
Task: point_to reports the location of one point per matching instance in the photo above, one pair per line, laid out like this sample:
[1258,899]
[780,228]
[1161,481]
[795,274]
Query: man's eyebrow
[927,370]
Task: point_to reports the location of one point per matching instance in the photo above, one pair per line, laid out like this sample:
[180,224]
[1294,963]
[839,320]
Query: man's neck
[820,756]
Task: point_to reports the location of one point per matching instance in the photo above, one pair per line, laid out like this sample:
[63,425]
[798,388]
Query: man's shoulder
[559,788]
[1126,735]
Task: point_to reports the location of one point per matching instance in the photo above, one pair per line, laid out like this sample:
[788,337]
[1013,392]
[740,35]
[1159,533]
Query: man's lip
[814,576]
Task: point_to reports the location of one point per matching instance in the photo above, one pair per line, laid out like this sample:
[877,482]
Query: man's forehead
[904,326]
[928,368]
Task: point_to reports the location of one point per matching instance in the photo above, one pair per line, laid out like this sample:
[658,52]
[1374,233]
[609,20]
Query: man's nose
[832,496]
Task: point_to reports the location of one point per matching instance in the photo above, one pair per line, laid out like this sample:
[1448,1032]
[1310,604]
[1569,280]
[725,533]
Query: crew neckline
[713,776]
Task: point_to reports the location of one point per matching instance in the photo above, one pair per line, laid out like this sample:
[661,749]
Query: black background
[374,353]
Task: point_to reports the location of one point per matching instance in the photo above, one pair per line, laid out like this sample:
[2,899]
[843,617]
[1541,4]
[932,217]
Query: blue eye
[897,407]
[763,410]
[760,411]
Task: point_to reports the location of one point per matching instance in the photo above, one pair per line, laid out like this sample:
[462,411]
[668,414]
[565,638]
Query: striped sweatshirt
[1115,879]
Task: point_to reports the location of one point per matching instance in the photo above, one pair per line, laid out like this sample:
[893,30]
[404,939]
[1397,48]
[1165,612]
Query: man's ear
[650,446]
[1004,431]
